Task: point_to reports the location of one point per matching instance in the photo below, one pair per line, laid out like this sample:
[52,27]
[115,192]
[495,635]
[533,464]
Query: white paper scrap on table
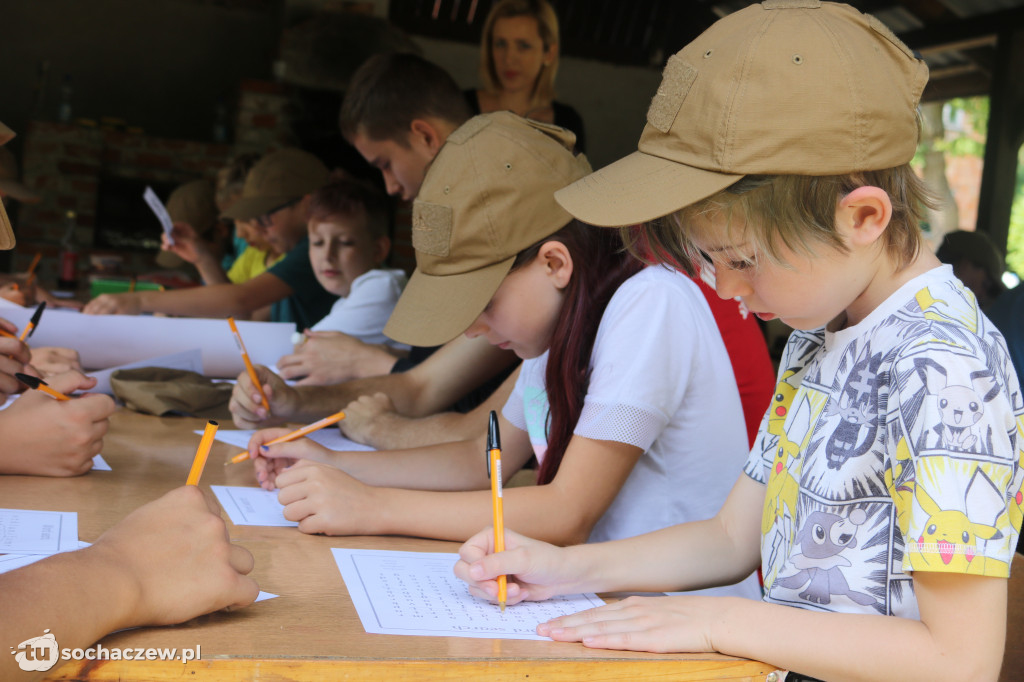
[27,531]
[105,341]
[190,360]
[416,593]
[251,506]
[9,562]
[330,437]
[161,213]
[264,596]
[100,464]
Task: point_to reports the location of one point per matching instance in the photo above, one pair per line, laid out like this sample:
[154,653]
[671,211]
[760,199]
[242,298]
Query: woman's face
[518,52]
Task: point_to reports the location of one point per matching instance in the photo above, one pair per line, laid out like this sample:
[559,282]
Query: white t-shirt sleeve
[364,312]
[644,357]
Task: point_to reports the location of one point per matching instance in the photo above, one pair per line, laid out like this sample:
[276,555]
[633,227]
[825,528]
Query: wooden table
[311,631]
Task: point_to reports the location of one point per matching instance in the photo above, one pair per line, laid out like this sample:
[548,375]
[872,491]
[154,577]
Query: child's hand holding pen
[14,356]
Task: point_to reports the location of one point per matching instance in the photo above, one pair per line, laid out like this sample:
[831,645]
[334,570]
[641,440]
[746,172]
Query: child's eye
[316,243]
[739,265]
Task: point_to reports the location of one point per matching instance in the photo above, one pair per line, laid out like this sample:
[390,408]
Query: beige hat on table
[277,179]
[795,87]
[488,195]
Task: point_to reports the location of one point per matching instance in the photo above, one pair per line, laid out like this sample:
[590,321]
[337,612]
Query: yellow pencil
[248,364]
[39,385]
[294,435]
[494,468]
[202,453]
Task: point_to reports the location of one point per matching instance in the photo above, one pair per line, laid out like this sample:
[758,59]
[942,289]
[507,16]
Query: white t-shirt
[661,381]
[893,445]
[364,312]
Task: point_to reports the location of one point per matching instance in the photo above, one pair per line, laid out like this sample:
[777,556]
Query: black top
[565,117]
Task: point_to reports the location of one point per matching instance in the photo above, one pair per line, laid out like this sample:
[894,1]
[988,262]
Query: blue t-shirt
[309,301]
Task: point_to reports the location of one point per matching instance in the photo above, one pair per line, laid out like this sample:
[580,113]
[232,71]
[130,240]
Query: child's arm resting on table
[830,646]
[166,562]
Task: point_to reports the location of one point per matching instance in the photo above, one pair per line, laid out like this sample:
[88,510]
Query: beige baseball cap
[6,232]
[790,87]
[488,195]
[277,179]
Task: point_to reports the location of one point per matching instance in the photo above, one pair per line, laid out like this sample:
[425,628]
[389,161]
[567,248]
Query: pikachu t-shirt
[891,446]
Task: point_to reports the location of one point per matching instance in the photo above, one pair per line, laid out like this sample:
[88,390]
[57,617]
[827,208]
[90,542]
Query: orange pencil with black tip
[31,274]
[294,435]
[30,328]
[39,385]
[199,462]
[494,471]
[248,364]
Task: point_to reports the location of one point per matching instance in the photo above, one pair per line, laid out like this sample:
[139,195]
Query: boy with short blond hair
[886,477]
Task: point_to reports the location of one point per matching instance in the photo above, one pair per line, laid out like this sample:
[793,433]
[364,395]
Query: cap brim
[251,208]
[434,309]
[6,233]
[639,188]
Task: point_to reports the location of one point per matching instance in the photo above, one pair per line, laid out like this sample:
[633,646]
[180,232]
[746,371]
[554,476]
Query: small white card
[416,593]
[100,464]
[160,211]
[251,506]
[26,531]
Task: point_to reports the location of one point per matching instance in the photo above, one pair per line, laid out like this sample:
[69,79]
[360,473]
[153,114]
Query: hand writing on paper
[536,570]
[271,460]
[246,405]
[114,304]
[177,554]
[327,500]
[47,437]
[14,355]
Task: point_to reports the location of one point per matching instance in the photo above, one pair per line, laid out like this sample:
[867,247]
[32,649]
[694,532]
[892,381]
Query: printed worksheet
[330,437]
[416,593]
[26,531]
[251,506]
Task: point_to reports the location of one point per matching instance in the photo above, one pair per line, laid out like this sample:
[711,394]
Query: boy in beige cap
[276,194]
[882,498]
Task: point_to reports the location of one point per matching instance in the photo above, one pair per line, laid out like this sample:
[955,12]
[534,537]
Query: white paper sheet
[100,464]
[251,506]
[416,593]
[105,341]
[190,360]
[9,562]
[27,531]
[330,437]
[160,211]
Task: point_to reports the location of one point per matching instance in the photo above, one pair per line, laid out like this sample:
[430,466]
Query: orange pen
[294,435]
[31,274]
[494,470]
[32,323]
[39,385]
[248,364]
[199,462]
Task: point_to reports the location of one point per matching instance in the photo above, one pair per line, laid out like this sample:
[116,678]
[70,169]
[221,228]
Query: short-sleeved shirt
[364,312]
[251,263]
[309,301]
[660,380]
[892,446]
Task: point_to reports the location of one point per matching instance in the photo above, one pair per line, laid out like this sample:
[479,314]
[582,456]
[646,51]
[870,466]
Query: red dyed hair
[600,266]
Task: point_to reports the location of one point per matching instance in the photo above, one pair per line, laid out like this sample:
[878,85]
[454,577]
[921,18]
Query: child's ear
[381,249]
[557,263]
[424,132]
[863,215]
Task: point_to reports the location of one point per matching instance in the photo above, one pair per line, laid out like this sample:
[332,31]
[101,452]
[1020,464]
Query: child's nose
[478,328]
[730,284]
